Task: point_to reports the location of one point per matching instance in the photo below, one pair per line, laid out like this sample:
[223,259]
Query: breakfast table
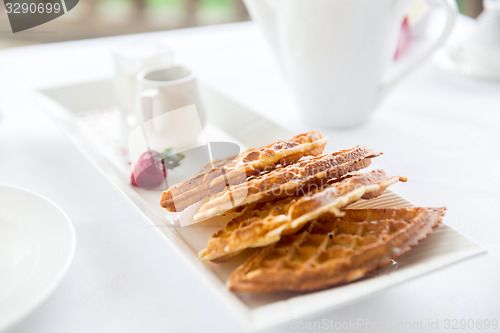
[438,127]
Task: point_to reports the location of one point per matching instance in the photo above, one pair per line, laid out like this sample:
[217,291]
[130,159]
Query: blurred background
[99,18]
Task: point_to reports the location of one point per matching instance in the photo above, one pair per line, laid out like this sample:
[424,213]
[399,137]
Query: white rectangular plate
[86,114]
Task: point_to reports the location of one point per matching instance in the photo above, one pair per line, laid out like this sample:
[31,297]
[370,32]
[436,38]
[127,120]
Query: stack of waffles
[290,204]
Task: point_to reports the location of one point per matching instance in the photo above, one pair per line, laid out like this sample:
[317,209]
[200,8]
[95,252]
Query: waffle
[286,181]
[265,223]
[335,250]
[247,163]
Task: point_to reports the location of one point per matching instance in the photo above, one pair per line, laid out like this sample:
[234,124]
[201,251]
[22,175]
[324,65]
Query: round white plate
[37,243]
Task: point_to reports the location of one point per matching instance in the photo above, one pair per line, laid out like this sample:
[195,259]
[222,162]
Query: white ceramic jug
[169,110]
[335,52]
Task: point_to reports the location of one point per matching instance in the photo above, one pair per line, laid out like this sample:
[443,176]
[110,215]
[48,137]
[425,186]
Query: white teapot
[335,53]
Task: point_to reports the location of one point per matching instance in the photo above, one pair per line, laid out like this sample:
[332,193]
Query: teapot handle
[451,15]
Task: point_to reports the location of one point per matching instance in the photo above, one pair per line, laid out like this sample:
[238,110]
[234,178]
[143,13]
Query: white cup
[169,107]
[335,53]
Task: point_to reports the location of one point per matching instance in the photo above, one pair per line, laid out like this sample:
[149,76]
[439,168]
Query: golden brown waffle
[291,180]
[246,164]
[335,250]
[265,223]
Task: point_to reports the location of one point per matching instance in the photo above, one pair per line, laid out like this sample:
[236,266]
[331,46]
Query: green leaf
[171,160]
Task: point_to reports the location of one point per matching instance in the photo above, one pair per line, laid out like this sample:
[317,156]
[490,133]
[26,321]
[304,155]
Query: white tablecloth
[438,128]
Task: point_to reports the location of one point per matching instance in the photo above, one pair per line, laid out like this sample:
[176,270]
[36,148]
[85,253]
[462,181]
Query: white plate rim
[35,301]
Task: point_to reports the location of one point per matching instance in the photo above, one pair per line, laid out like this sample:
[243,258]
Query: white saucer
[452,60]
[37,243]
